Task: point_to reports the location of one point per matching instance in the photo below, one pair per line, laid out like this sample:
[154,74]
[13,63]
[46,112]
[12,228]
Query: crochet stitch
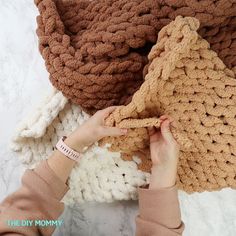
[95,51]
[187,81]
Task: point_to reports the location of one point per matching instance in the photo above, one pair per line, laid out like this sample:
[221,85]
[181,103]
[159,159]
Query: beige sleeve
[159,213]
[37,199]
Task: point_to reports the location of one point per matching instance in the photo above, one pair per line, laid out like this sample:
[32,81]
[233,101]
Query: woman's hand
[85,135]
[164,154]
[93,130]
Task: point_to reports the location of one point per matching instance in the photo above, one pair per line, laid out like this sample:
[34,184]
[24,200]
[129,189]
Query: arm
[159,212]
[38,198]
[43,188]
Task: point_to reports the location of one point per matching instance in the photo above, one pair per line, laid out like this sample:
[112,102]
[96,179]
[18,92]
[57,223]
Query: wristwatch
[67,151]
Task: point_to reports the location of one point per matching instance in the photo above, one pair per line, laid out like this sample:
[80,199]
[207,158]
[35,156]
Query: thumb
[165,131]
[114,131]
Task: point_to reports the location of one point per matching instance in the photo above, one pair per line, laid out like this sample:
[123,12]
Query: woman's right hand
[164,154]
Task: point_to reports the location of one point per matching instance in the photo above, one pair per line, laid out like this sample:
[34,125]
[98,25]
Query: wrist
[162,177]
[76,142]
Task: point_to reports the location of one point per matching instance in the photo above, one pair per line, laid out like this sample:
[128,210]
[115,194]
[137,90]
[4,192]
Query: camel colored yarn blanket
[187,81]
[101,176]
[96,51]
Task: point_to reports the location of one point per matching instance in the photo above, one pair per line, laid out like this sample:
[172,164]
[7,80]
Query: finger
[105,112]
[156,137]
[165,131]
[154,134]
[165,117]
[101,115]
[151,130]
[114,131]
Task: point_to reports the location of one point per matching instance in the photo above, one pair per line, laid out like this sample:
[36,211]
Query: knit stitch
[187,81]
[95,51]
[101,176]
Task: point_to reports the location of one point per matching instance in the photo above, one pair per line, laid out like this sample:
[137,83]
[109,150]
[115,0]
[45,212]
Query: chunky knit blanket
[96,51]
[187,81]
[101,176]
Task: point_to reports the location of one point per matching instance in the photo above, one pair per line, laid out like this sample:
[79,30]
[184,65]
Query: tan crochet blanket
[187,81]
[95,51]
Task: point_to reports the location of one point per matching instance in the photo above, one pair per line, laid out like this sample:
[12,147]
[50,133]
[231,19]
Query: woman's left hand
[93,130]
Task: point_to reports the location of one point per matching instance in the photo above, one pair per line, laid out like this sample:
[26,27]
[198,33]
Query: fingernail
[162,118]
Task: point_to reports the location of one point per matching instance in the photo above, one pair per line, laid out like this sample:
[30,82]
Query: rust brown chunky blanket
[96,51]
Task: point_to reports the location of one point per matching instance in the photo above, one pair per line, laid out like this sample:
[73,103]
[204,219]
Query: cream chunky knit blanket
[101,176]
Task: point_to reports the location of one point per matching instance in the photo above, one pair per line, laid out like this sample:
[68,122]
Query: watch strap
[67,151]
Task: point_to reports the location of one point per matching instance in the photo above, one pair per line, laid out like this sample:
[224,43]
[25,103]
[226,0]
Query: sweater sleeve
[37,200]
[159,213]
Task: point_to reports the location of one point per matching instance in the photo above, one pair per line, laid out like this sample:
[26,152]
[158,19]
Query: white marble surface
[23,83]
